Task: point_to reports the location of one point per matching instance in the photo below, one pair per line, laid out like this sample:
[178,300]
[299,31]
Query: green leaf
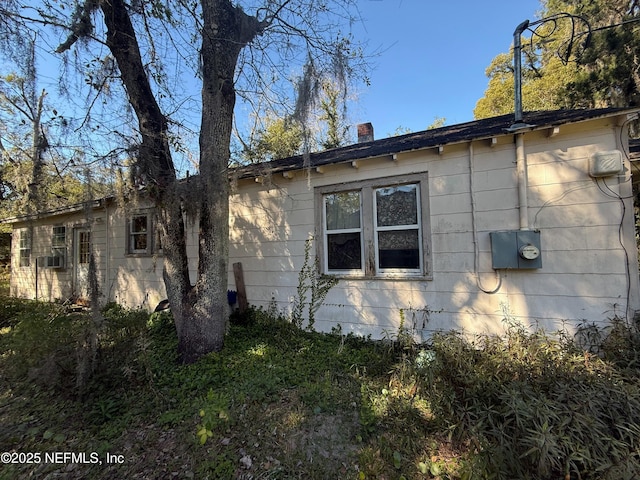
[435,469]
[203,434]
[397,459]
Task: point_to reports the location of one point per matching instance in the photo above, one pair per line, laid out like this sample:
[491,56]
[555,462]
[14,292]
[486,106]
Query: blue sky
[433,58]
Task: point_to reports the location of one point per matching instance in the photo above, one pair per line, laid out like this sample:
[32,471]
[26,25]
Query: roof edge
[452,134]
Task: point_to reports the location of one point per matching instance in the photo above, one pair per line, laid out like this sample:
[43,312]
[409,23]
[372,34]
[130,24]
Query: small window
[343,233]
[375,228]
[59,242]
[25,248]
[143,238]
[139,234]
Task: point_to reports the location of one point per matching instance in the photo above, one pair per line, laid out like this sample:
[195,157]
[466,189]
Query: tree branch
[81,24]
[122,41]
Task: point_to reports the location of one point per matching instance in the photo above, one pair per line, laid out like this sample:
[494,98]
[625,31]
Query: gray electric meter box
[517,249]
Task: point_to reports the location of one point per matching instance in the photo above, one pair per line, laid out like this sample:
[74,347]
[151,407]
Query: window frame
[24,246]
[369,232]
[397,228]
[59,242]
[338,231]
[153,242]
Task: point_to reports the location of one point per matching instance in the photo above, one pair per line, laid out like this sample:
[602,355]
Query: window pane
[139,241]
[84,246]
[59,235]
[342,210]
[139,224]
[344,251]
[58,242]
[138,234]
[399,249]
[25,239]
[25,258]
[25,248]
[397,205]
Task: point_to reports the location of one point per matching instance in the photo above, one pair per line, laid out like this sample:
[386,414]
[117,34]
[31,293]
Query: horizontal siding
[583,270]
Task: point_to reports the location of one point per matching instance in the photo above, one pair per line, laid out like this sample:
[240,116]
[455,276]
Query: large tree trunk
[154,156]
[226,30]
[199,311]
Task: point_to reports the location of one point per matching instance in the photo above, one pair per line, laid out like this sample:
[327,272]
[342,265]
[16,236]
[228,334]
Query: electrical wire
[609,192]
[564,54]
[621,241]
[476,247]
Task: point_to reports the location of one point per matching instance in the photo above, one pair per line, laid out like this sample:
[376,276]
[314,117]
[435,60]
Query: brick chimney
[365,132]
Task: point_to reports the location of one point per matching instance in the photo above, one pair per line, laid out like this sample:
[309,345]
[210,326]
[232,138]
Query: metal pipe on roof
[517,69]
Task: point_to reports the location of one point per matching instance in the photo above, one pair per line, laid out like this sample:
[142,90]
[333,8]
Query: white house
[454,227]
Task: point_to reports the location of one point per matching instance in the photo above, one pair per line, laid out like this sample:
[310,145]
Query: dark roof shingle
[463,132]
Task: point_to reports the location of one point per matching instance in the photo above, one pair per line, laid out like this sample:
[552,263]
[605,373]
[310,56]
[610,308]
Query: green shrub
[43,343]
[70,350]
[621,343]
[13,309]
[122,323]
[535,407]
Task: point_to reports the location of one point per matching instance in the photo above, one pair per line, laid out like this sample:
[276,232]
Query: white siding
[584,274]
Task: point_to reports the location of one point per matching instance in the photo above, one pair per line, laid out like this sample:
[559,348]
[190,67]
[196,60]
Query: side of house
[458,227]
[52,255]
[428,257]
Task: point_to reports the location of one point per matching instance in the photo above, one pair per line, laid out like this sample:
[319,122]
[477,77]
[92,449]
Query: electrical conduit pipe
[521,169]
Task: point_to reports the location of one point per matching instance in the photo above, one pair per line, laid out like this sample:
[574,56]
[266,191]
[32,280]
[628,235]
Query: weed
[213,415]
[283,402]
[535,406]
[105,409]
[310,284]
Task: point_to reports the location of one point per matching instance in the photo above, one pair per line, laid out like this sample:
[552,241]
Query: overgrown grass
[5,279]
[281,402]
[534,407]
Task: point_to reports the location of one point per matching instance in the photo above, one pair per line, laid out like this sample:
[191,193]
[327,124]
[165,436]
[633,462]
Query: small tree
[276,138]
[334,117]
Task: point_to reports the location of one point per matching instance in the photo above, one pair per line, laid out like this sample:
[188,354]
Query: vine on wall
[313,288]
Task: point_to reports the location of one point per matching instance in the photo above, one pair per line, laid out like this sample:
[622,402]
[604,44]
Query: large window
[397,228]
[376,228]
